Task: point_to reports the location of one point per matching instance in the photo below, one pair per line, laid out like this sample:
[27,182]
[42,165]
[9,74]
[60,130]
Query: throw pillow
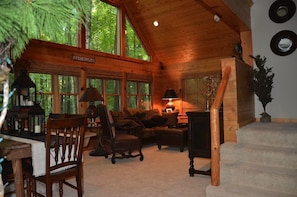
[171,118]
[154,121]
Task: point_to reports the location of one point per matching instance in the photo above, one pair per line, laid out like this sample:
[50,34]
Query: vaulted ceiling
[187,30]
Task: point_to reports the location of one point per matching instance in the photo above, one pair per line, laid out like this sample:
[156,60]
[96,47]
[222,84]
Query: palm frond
[22,20]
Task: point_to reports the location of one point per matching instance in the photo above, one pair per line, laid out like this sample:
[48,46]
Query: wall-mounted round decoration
[282,10]
[283,43]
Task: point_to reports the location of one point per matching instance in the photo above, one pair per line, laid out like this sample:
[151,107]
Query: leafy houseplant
[263,80]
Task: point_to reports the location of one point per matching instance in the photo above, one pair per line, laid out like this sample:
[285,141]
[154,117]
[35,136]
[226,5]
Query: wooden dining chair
[119,145]
[64,145]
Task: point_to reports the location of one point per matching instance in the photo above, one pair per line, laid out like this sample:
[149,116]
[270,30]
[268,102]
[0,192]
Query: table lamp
[170,95]
[91,95]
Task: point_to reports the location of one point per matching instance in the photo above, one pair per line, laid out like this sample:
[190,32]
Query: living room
[174,60]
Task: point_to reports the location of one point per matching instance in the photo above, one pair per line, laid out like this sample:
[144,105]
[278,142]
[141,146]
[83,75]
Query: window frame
[139,95]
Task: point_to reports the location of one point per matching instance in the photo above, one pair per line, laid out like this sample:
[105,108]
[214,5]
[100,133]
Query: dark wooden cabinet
[199,138]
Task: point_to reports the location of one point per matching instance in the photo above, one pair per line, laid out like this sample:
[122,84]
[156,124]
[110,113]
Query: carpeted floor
[162,173]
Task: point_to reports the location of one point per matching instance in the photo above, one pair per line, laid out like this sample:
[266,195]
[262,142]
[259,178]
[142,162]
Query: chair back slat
[106,122]
[64,142]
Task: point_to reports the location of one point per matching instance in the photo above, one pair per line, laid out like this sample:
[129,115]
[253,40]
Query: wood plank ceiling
[186,30]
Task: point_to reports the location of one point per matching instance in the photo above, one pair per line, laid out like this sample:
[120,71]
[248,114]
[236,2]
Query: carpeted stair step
[259,154]
[235,190]
[271,134]
[258,176]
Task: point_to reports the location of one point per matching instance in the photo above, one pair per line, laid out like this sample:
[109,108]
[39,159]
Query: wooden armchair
[64,145]
[120,145]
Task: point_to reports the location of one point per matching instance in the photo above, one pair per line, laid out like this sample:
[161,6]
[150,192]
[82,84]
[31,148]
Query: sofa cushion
[149,114]
[171,118]
[154,121]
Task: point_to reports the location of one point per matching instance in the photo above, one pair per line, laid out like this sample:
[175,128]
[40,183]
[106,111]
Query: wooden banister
[215,129]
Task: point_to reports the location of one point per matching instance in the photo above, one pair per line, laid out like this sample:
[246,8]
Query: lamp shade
[90,95]
[170,95]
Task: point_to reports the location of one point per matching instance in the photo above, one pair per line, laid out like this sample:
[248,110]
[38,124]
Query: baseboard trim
[280,120]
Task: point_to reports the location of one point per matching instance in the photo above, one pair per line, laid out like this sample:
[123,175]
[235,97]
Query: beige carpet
[162,173]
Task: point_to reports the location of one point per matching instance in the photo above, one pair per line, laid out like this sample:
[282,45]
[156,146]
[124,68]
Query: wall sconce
[91,95]
[170,95]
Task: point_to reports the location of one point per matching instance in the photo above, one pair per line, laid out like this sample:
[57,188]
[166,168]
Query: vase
[265,117]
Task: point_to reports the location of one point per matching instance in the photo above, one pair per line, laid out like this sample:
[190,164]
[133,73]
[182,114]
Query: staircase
[263,163]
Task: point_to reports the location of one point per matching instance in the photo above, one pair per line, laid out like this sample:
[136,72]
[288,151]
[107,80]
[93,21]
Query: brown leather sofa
[159,128]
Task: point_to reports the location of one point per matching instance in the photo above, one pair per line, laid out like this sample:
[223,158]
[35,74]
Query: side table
[98,151]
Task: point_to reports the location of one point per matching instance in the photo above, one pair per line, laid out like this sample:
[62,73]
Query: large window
[134,47]
[139,95]
[110,90]
[68,90]
[103,34]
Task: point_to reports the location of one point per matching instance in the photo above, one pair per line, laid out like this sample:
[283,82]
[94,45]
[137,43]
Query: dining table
[15,151]
[17,146]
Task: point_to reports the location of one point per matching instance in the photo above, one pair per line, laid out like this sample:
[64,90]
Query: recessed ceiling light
[216,18]
[156,23]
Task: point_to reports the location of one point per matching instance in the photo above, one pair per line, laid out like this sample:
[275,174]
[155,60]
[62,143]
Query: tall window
[134,47]
[103,32]
[139,95]
[68,90]
[44,95]
[110,90]
[103,28]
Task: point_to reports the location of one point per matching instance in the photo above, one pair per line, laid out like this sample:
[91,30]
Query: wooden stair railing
[215,129]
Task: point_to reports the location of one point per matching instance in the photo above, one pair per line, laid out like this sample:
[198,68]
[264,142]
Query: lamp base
[169,106]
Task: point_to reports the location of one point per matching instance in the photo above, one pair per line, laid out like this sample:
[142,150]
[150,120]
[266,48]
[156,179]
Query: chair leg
[79,186]
[113,158]
[49,190]
[28,185]
[141,155]
[61,188]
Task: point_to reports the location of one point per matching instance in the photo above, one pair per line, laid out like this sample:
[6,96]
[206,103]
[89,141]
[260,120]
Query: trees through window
[103,32]
[139,95]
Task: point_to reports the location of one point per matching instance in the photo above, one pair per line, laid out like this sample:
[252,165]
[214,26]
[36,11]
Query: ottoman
[176,137]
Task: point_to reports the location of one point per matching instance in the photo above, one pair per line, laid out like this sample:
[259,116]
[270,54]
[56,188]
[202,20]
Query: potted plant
[262,84]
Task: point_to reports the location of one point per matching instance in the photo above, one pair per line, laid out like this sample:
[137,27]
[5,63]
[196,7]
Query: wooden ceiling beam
[235,15]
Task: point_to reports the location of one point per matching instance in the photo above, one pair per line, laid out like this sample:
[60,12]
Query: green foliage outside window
[103,28]
[68,94]
[134,47]
[44,94]
[132,94]
[102,32]
[113,92]
[139,95]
